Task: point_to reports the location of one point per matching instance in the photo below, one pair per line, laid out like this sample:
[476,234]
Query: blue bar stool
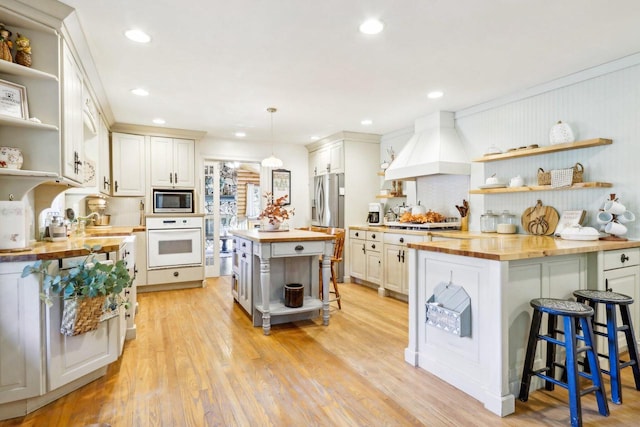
[611,300]
[573,314]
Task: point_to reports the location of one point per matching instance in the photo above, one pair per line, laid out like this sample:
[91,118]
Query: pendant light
[272,161]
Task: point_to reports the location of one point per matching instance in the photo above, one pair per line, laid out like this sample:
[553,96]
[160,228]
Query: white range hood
[435,148]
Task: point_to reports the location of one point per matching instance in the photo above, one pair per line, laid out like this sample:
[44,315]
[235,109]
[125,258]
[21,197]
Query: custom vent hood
[435,148]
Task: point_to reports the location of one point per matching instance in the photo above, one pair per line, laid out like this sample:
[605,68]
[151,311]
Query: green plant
[87,279]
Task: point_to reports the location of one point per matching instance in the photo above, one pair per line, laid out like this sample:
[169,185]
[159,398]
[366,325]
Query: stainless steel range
[449,224]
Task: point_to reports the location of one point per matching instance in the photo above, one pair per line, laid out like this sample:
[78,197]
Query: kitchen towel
[561,177]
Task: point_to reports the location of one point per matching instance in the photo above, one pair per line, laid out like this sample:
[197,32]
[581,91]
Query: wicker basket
[544,178]
[81,315]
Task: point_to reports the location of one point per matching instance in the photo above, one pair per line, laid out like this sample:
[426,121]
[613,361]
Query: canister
[506,223]
[488,222]
[13,225]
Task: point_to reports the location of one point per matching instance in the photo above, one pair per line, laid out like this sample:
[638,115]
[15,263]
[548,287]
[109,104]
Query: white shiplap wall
[606,106]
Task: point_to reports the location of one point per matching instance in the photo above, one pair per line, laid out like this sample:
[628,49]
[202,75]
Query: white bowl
[10,158]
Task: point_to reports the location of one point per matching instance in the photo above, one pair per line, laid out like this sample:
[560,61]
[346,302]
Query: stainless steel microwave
[173,201]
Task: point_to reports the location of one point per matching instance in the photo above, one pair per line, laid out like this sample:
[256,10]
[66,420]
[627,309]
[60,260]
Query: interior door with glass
[211,211]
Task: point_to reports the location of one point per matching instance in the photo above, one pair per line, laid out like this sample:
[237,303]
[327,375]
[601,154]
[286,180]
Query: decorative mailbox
[449,309]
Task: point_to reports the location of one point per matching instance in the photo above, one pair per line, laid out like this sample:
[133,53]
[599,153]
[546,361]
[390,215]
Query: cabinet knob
[624,258]
[244,255]
[373,246]
[357,234]
[176,274]
[402,240]
[373,236]
[299,248]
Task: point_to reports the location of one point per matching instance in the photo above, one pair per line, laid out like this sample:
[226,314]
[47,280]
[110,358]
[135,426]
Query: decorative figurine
[23,51]
[5,44]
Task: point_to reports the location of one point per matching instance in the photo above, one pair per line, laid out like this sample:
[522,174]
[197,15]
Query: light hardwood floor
[197,361]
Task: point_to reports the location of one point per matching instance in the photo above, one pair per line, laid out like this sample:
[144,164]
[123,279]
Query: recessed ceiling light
[366,122]
[315,138]
[159,121]
[435,94]
[137,36]
[240,134]
[140,92]
[371,26]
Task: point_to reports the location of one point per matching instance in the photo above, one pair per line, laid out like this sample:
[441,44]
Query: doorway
[231,201]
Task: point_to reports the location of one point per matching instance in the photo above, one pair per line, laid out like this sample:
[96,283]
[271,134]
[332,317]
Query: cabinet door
[20,358]
[244,282]
[374,267]
[625,281]
[183,163]
[321,161]
[128,164]
[357,257]
[161,162]
[104,167]
[393,268]
[72,131]
[336,157]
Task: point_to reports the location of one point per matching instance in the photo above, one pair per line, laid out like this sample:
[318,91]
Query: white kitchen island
[501,275]
[278,258]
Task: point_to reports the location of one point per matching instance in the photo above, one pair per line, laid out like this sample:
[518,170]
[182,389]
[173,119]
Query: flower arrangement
[274,211]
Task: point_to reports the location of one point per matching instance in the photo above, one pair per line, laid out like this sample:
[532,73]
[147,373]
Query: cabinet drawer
[175,275]
[357,234]
[374,246]
[242,245]
[402,239]
[375,236]
[621,258]
[297,248]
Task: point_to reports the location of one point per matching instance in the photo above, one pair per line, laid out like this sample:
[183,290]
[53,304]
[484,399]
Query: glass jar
[507,218]
[488,222]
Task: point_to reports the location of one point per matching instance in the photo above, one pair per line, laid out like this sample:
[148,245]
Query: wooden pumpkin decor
[540,220]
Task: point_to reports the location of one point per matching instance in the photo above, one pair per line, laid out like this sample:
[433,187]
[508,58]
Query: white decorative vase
[271,226]
[561,133]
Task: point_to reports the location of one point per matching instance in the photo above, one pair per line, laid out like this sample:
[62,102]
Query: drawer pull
[402,240]
[357,234]
[373,236]
[244,255]
[176,274]
[624,258]
[299,248]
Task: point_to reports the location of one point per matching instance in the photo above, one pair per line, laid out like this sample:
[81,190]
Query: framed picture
[13,100]
[281,184]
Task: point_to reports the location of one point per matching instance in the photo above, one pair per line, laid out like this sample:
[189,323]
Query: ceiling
[216,65]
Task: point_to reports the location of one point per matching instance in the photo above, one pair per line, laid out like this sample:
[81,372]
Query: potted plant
[91,290]
[274,212]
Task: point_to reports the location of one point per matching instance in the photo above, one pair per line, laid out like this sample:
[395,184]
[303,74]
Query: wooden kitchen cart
[278,258]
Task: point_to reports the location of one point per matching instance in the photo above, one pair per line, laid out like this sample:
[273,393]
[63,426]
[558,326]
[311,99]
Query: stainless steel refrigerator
[327,205]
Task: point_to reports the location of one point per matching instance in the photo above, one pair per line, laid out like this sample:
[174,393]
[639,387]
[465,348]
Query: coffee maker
[376,214]
[97,204]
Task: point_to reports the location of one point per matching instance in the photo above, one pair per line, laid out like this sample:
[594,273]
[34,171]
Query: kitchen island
[265,261]
[499,276]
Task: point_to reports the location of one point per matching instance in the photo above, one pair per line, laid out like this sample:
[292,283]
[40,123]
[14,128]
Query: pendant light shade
[272,161]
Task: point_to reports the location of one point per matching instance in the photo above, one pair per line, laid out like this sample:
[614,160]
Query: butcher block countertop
[518,246]
[109,238]
[291,235]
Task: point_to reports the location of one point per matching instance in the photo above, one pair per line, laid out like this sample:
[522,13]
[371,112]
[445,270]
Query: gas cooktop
[451,225]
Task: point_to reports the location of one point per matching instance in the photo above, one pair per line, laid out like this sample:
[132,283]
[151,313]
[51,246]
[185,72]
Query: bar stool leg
[614,356]
[596,376]
[572,372]
[631,343]
[525,382]
[551,350]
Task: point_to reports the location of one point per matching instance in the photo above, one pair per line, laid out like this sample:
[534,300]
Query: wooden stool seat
[573,314]
[611,300]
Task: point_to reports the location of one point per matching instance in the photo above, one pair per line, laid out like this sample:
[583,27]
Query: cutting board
[540,220]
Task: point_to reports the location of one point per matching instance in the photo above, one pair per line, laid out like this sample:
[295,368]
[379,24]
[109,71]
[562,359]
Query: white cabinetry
[357,253]
[621,274]
[172,162]
[242,273]
[327,159]
[20,359]
[396,261]
[72,122]
[128,164]
[104,162]
[374,257]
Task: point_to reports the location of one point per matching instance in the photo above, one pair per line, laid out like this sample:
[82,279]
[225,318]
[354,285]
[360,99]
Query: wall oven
[173,201]
[174,241]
